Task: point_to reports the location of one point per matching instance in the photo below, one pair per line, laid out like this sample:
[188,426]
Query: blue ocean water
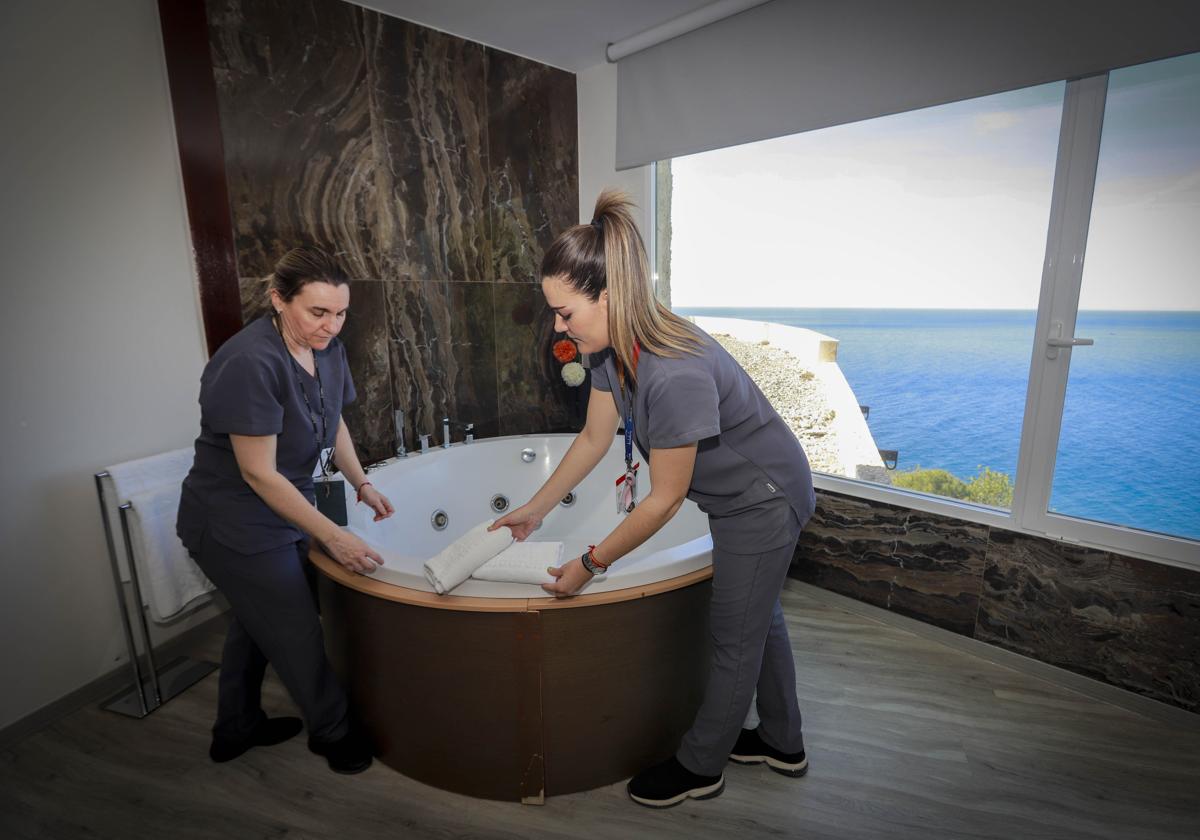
[947,389]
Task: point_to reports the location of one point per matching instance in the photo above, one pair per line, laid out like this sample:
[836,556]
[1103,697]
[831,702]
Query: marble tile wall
[436,168]
[1122,620]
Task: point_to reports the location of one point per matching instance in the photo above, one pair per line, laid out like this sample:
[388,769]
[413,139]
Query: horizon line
[928,308]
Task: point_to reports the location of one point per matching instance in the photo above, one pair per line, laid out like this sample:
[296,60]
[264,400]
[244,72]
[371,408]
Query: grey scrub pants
[274,620]
[750,651]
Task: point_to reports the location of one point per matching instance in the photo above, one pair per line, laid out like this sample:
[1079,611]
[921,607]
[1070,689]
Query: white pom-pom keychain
[573,374]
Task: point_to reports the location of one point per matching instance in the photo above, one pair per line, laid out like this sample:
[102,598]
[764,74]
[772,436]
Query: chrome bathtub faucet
[448,424]
[398,418]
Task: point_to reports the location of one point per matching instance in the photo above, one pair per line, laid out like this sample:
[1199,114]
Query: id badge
[331,498]
[627,490]
[331,492]
[324,464]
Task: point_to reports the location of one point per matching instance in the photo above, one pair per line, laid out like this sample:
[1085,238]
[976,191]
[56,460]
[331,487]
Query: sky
[947,207]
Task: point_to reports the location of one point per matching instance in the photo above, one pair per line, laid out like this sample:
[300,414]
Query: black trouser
[274,620]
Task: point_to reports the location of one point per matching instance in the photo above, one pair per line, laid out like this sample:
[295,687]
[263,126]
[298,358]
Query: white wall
[596,90]
[101,347]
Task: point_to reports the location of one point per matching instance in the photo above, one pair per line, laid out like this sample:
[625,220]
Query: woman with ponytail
[709,435]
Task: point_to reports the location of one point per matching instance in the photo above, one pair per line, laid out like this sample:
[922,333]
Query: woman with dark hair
[271,403]
[710,435]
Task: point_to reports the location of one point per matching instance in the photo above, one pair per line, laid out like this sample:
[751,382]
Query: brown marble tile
[429,126]
[366,337]
[533,156]
[373,138]
[532,398]
[842,550]
[920,565]
[939,569]
[296,124]
[1126,621]
[442,344]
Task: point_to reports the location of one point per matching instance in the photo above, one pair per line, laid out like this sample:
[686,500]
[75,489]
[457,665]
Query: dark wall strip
[202,159]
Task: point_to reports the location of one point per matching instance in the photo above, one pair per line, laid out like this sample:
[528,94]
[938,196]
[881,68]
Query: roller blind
[797,65]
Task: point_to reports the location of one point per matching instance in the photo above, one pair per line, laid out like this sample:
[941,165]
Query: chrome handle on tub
[527,455]
[448,424]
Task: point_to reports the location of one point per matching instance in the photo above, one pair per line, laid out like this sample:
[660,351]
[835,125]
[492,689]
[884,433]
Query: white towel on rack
[133,477]
[169,578]
[457,561]
[522,562]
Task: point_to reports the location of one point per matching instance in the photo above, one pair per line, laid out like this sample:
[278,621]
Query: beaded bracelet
[358,492]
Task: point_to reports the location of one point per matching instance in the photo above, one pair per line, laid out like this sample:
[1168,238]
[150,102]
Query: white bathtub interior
[462,481]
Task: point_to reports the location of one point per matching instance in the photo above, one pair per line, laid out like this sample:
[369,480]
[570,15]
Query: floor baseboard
[104,687]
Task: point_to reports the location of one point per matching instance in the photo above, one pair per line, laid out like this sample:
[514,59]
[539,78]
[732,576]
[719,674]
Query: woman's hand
[571,578]
[522,522]
[352,553]
[376,501]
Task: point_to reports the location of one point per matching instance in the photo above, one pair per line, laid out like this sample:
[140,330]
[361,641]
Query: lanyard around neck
[628,401]
[321,435]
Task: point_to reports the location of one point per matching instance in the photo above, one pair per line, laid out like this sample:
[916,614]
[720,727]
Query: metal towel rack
[156,686]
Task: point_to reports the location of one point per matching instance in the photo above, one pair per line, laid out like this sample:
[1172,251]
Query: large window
[1131,423]
[919,244]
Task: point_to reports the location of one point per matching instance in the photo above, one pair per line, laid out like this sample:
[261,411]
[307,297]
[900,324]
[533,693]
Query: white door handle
[1055,340]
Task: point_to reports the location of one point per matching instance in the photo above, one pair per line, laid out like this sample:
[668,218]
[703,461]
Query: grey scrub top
[251,387]
[746,455]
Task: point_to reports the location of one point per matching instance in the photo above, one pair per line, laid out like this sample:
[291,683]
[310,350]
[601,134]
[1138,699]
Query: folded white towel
[522,562]
[133,477]
[457,561]
[169,578]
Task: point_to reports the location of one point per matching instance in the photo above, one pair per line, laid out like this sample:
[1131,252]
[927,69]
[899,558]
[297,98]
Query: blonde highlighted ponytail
[609,254]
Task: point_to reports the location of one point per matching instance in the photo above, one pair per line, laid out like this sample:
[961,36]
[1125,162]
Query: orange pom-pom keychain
[565,350]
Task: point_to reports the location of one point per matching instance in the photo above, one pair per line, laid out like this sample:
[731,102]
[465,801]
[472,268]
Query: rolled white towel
[457,561]
[522,562]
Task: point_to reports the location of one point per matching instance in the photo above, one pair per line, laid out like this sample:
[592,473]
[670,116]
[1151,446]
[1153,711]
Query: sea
[946,389]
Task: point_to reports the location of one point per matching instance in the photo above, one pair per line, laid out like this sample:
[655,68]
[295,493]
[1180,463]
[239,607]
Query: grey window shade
[797,65]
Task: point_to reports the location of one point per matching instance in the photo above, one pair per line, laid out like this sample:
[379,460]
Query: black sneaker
[348,755]
[669,783]
[752,749]
[268,733]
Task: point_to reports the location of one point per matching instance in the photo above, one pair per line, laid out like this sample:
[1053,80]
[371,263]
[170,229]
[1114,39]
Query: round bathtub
[497,690]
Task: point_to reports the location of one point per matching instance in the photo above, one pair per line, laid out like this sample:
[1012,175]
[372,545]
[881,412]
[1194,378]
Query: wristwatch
[593,567]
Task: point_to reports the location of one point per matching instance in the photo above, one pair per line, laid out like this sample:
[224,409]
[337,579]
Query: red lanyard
[637,352]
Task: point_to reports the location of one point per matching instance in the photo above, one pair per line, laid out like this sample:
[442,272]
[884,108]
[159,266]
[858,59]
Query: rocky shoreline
[797,395]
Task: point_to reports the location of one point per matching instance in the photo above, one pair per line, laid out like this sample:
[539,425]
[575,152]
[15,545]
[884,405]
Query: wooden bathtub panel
[451,698]
[525,699]
[621,684]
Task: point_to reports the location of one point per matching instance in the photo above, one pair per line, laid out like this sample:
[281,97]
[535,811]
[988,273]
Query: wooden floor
[906,738]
